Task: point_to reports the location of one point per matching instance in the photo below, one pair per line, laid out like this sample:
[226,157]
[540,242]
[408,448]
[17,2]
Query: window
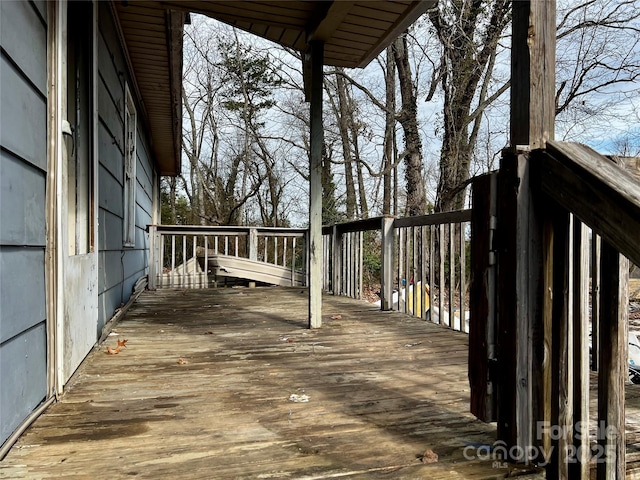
[129,204]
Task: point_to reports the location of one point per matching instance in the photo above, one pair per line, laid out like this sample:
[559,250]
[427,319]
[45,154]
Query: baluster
[463,278]
[441,275]
[452,278]
[432,269]
[173,258]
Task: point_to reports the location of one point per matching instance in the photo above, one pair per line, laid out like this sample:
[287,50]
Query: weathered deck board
[382,387]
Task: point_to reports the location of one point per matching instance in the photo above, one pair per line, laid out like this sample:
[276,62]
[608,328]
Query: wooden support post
[520,345]
[533,76]
[386,276]
[519,335]
[612,371]
[315,59]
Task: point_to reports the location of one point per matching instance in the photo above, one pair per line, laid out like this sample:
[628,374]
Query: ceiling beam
[328,20]
[418,8]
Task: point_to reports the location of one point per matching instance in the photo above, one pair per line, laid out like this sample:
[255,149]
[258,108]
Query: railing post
[336,260]
[252,244]
[153,255]
[482,298]
[520,386]
[386,275]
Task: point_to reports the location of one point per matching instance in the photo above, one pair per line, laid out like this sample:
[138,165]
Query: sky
[603,120]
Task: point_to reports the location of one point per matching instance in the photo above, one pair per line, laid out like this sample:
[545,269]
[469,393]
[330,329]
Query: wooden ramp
[230,384]
[269,273]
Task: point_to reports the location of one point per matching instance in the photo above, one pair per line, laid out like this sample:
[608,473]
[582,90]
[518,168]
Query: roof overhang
[353,32]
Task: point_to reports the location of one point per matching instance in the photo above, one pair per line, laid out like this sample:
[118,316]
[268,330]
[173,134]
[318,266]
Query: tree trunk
[468,56]
[330,213]
[354,127]
[344,119]
[408,118]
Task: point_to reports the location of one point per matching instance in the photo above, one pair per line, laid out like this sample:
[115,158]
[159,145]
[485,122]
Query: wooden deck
[206,386]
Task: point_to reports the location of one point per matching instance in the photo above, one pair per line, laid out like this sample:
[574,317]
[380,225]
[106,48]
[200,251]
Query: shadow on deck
[204,389]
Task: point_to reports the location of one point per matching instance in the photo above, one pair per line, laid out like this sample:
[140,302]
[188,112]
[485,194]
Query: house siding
[23,188]
[119,267]
[23,171]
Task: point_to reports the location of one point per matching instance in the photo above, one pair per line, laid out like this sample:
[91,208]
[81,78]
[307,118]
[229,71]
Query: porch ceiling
[354,33]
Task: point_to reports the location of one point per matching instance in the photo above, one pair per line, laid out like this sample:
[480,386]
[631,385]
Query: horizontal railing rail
[193,256]
[423,267]
[602,194]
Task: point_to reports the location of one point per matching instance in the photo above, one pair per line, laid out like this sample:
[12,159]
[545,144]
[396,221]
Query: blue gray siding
[23,164]
[119,267]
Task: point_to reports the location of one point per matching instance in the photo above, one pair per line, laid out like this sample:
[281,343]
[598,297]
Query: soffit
[353,32]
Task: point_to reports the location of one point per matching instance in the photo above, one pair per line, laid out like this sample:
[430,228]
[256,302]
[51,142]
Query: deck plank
[383,388]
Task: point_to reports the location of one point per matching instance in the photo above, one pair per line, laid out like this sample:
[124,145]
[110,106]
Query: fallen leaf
[122,343]
[113,351]
[429,456]
[336,317]
[182,361]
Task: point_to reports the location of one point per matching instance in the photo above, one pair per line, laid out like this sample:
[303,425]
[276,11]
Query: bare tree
[598,66]
[343,111]
[469,32]
[408,118]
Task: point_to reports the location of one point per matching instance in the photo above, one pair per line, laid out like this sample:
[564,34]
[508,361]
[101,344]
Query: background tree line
[404,135]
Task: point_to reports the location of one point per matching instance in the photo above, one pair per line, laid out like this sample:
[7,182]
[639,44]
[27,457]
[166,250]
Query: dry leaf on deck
[182,361]
[113,351]
[336,317]
[429,456]
[122,343]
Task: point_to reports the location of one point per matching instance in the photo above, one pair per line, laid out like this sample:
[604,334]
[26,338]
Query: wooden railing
[581,185]
[423,263]
[561,224]
[182,256]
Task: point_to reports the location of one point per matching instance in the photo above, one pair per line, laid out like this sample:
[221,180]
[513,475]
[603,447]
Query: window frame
[129,171]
